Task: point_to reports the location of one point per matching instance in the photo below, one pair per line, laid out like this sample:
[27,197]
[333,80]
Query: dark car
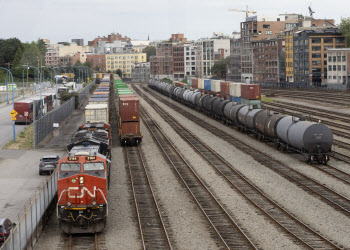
[48,164]
[6,227]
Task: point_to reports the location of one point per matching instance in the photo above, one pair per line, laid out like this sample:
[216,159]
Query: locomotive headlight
[94,203]
[69,203]
[81,180]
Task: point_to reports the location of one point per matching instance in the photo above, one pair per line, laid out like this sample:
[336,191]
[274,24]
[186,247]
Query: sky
[62,20]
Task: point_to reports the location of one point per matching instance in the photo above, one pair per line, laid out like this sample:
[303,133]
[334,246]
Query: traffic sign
[13,118]
[26,113]
[13,113]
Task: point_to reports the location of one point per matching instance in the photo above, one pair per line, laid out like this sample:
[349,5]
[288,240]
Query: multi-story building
[234,67]
[110,39]
[97,61]
[269,60]
[310,53]
[124,62]
[257,28]
[179,61]
[79,42]
[140,72]
[210,50]
[178,38]
[190,59]
[60,54]
[104,47]
[338,61]
[162,63]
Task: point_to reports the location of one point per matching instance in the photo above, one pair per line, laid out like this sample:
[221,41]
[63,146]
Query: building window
[334,58]
[344,58]
[268,32]
[329,59]
[334,68]
[316,48]
[334,77]
[344,68]
[339,67]
[266,26]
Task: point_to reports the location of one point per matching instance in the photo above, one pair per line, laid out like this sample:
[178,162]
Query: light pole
[41,102]
[13,103]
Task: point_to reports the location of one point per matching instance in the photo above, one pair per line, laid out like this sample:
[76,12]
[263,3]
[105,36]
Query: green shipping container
[120,85]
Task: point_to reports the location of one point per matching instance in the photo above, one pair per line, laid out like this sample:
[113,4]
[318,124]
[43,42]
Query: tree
[345,29]
[119,72]
[150,51]
[220,68]
[8,49]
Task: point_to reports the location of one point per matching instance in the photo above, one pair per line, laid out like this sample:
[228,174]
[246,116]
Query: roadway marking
[4,117]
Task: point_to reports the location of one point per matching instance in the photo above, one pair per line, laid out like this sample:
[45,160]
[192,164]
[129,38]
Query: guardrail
[34,219]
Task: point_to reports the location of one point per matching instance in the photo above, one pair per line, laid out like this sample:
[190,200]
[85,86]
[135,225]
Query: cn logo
[83,190]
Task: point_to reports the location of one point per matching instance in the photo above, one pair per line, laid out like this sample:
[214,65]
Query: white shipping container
[215,85]
[235,89]
[200,83]
[96,113]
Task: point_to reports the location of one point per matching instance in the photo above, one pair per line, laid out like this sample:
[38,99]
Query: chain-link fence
[303,85]
[31,223]
[44,126]
[84,92]
[4,96]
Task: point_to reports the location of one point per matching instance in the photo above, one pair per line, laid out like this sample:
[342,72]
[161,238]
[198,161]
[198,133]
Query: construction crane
[246,11]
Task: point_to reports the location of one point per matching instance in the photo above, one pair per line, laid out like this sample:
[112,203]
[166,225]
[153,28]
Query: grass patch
[24,140]
[266,99]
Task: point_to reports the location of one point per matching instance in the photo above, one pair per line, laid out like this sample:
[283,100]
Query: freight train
[290,134]
[84,173]
[127,106]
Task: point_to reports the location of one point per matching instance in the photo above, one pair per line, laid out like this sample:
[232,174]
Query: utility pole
[27,76]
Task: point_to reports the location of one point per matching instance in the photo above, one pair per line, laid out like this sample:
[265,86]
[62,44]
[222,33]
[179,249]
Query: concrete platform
[19,169]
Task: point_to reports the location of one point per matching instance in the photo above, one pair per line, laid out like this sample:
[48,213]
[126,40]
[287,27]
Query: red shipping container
[224,88]
[129,109]
[130,128]
[251,91]
[195,83]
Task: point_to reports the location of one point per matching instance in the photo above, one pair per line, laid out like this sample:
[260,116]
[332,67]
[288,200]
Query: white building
[140,72]
[338,63]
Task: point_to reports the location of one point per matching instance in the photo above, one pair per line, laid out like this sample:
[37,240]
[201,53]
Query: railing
[32,222]
[302,85]
[84,92]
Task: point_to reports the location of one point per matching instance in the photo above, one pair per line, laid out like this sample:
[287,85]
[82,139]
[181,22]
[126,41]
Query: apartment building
[162,64]
[110,39]
[338,62]
[78,41]
[124,62]
[60,54]
[97,61]
[179,61]
[190,59]
[140,72]
[234,67]
[269,60]
[310,47]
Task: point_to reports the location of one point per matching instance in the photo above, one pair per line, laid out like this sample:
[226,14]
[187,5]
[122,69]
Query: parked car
[6,226]
[48,164]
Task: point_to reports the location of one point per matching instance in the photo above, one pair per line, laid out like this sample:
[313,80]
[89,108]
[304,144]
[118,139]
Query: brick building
[178,38]
[97,60]
[178,61]
[234,67]
[162,64]
[269,60]
[110,39]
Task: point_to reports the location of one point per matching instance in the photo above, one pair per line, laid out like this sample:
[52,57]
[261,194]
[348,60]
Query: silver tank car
[271,125]
[242,114]
[195,98]
[283,126]
[234,112]
[201,100]
[310,136]
[228,108]
[250,118]
[260,120]
[215,104]
[219,108]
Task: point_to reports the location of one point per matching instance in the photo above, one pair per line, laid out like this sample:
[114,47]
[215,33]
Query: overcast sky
[62,20]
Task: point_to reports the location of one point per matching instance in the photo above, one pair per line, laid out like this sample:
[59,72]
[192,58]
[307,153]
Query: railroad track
[152,228]
[310,185]
[227,230]
[81,241]
[300,233]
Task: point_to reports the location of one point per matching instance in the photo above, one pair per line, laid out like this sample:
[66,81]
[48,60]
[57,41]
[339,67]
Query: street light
[13,103]
[41,106]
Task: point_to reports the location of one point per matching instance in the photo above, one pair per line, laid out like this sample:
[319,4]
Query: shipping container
[225,90]
[129,109]
[97,113]
[207,84]
[25,109]
[189,81]
[195,83]
[130,128]
[101,93]
[253,104]
[200,83]
[235,89]
[215,86]
[99,96]
[251,91]
[98,101]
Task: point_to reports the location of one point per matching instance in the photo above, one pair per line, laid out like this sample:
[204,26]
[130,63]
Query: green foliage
[8,49]
[119,72]
[220,67]
[65,96]
[345,29]
[167,80]
[150,51]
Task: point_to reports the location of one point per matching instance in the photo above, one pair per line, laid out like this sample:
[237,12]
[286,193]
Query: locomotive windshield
[92,166]
[70,167]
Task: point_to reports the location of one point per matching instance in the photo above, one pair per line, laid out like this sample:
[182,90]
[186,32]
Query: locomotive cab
[82,191]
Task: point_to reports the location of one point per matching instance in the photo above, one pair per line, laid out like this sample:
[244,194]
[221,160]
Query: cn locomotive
[290,134]
[84,173]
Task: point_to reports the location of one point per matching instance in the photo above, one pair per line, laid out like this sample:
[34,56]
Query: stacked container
[251,95]
[207,84]
[215,86]
[235,91]
[195,83]
[200,83]
[225,90]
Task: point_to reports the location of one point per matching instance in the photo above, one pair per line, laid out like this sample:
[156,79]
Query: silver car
[48,164]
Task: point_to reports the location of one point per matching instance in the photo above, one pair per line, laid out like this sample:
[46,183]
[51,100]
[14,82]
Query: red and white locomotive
[83,181]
